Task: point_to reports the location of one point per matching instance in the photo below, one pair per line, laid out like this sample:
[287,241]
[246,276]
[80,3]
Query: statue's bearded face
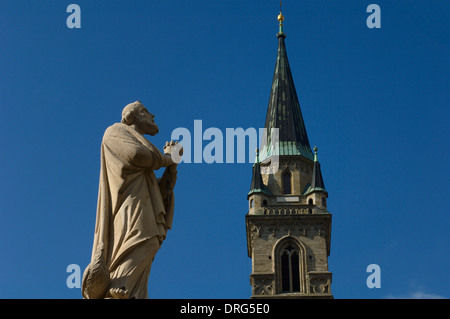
[136,115]
[145,121]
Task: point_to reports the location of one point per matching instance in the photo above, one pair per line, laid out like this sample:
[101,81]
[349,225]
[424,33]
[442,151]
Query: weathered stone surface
[135,209]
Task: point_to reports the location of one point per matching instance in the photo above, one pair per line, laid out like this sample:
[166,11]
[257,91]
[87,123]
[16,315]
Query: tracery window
[290,269]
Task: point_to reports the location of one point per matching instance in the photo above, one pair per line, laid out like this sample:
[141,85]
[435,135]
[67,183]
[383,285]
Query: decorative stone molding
[319,282]
[262,284]
[283,210]
[254,230]
[278,229]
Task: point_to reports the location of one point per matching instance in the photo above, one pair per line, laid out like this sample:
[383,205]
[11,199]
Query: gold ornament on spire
[280,19]
[280,16]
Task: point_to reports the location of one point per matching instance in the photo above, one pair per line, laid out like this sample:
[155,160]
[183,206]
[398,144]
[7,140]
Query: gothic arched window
[290,269]
[286,177]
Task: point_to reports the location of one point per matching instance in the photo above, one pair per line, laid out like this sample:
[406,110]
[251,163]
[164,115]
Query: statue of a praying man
[134,209]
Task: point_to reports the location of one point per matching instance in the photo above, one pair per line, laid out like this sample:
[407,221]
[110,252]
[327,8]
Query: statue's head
[136,115]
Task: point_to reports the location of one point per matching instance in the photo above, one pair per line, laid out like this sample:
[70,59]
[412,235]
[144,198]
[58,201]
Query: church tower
[288,224]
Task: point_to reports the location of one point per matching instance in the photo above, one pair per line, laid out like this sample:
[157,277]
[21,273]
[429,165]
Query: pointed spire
[317,179]
[257,185]
[283,111]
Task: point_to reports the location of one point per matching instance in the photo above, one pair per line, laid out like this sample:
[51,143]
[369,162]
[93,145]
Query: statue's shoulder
[119,133]
[116,129]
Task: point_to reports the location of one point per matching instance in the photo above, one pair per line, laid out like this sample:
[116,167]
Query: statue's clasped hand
[175,151]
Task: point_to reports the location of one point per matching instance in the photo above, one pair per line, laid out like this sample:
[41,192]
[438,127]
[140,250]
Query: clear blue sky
[375,102]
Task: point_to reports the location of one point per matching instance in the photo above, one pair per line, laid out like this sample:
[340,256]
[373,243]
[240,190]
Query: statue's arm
[166,185]
[152,159]
[168,180]
[131,151]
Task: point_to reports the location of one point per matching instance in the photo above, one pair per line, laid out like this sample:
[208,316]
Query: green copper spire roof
[317,183]
[257,185]
[284,111]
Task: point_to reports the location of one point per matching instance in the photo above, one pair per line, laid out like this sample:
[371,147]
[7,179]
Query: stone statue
[134,210]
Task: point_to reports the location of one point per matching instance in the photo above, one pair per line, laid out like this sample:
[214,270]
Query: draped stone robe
[134,210]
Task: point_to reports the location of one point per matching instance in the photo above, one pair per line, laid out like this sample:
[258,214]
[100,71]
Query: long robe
[134,210]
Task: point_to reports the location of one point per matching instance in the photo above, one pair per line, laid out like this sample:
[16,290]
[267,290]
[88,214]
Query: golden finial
[280,16]
[280,19]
